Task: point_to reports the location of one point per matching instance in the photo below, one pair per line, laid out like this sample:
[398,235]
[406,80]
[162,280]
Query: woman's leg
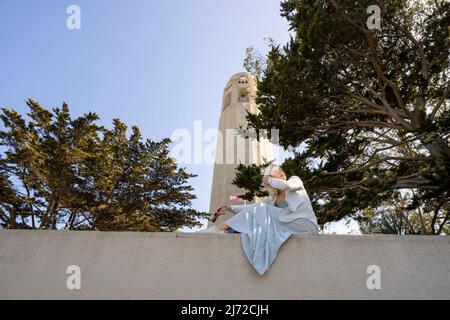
[223,226]
[300,226]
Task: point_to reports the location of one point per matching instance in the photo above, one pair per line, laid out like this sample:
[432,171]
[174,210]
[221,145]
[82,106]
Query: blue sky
[160,65]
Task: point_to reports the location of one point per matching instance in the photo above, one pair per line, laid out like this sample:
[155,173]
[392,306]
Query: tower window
[243,95]
[227,100]
[243,80]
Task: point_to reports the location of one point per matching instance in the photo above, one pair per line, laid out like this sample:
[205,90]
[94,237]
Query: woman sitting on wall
[286,211]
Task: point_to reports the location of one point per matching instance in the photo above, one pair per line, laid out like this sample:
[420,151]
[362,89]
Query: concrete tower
[232,149]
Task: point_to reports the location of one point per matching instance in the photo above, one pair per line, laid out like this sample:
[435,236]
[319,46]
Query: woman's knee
[223,226]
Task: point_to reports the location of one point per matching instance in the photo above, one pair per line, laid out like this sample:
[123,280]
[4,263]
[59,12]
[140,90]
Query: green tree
[366,112]
[62,173]
[395,216]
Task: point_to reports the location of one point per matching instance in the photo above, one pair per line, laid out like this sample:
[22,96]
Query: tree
[249,178]
[397,217]
[366,112]
[62,173]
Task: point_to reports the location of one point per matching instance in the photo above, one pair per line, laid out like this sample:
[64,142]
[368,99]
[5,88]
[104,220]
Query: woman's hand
[222,209]
[265,179]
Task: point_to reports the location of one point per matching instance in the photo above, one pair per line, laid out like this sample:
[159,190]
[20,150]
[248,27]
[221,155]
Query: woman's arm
[294,183]
[237,207]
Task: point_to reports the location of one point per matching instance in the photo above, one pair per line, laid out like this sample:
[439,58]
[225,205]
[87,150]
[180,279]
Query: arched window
[243,95]
[243,80]
[227,100]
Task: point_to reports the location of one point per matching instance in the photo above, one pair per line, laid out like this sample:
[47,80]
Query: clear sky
[160,65]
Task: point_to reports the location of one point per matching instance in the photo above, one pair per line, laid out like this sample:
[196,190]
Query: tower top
[245,77]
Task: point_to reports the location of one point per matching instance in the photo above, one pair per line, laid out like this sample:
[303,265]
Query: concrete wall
[212,266]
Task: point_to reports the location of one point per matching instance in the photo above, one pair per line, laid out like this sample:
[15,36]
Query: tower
[233,149]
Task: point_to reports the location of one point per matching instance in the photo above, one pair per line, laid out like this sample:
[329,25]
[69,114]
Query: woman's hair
[267,172]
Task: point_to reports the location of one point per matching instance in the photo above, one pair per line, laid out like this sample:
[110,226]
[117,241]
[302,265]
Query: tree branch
[371,163]
[440,102]
[423,59]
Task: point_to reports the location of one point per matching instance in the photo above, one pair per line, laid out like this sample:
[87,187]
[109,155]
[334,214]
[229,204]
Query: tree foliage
[62,173]
[366,112]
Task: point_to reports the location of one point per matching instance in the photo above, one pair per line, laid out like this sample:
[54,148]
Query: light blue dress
[262,233]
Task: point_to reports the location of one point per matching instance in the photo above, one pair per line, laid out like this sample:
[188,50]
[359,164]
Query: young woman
[286,211]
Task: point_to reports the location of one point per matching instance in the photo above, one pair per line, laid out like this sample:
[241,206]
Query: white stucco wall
[212,266]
